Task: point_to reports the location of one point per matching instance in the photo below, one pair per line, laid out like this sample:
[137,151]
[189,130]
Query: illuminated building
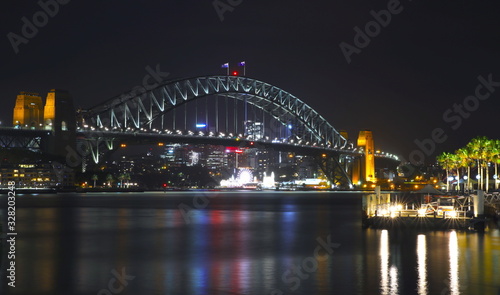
[269,181]
[263,163]
[216,158]
[254,130]
[234,155]
[28,111]
[177,155]
[36,176]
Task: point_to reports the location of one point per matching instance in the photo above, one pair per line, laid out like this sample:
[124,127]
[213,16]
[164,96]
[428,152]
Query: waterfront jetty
[443,212]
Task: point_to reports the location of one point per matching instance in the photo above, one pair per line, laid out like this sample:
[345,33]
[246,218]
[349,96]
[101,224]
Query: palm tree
[480,152]
[445,160]
[109,179]
[121,177]
[465,156]
[456,163]
[127,178]
[488,158]
[496,158]
[477,146]
[94,178]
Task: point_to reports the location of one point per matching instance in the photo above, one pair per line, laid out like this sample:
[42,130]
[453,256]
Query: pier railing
[387,205]
[393,211]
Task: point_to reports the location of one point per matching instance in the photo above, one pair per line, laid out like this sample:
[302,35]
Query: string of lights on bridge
[237,137]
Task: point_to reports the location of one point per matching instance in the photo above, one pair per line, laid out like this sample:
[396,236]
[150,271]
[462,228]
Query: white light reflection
[453,249]
[394,280]
[384,262]
[422,265]
[244,270]
[268,271]
[388,277]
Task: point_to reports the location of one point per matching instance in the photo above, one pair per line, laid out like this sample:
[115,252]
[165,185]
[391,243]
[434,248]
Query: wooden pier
[385,210]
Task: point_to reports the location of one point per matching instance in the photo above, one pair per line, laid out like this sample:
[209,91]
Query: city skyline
[250,147]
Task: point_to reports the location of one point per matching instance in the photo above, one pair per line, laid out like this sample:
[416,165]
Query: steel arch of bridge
[142,110]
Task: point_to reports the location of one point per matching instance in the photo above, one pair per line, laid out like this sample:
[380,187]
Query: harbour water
[235,243]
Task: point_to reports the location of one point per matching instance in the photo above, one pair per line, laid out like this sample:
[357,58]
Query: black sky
[426,60]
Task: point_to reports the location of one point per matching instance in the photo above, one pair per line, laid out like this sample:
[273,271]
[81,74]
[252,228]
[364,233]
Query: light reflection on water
[244,249]
[454,255]
[388,271]
[384,262]
[422,265]
[472,265]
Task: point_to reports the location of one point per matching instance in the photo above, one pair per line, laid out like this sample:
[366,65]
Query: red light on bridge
[233,149]
[235,73]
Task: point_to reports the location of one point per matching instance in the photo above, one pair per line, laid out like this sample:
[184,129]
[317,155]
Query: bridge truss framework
[148,112]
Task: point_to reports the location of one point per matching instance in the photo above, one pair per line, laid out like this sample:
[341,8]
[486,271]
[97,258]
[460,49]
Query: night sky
[426,59]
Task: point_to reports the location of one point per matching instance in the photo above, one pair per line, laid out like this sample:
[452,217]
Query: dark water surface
[235,243]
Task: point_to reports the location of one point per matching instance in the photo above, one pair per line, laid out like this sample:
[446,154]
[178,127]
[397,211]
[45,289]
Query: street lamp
[448,180]
[465,181]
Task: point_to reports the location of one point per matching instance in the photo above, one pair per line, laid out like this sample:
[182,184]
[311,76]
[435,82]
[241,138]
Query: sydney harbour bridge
[217,110]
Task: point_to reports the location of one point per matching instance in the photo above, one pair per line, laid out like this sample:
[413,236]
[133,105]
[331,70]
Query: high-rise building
[216,157]
[254,130]
[263,163]
[306,168]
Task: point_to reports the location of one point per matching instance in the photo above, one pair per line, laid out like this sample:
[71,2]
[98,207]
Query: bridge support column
[60,117]
[94,150]
[94,146]
[332,167]
[365,141]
